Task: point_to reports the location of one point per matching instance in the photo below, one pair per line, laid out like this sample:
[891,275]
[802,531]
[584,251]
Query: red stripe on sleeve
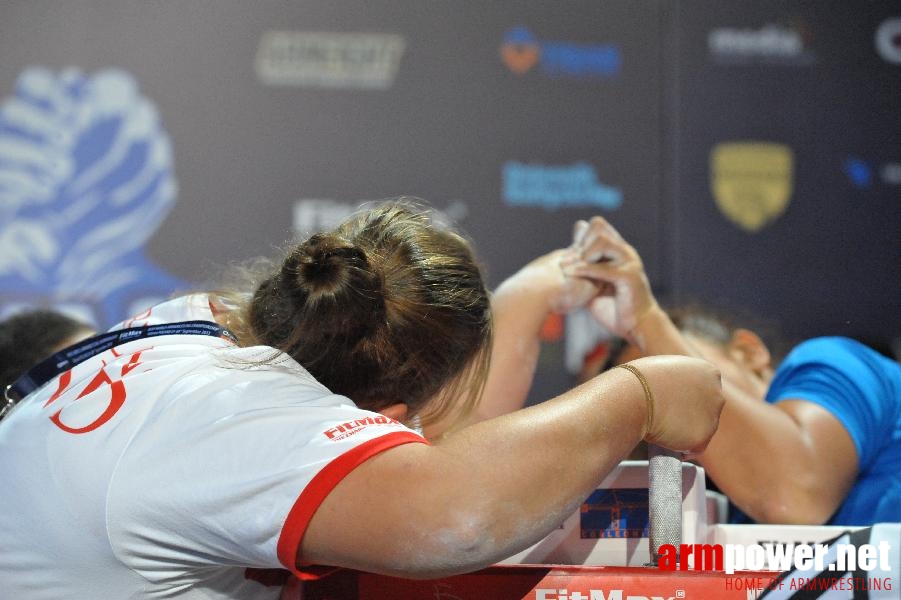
[320,487]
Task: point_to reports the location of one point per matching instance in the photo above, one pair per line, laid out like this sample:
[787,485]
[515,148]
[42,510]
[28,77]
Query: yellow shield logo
[751,182]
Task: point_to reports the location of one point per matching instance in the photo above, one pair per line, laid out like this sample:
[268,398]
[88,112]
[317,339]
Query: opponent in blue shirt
[862,389]
[816,441]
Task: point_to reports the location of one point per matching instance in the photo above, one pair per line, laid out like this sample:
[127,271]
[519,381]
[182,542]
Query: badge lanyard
[76,354]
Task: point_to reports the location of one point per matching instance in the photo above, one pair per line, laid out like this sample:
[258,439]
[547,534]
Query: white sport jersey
[172,467]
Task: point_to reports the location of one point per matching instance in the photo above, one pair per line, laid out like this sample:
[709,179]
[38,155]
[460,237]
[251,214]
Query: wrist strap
[648,395]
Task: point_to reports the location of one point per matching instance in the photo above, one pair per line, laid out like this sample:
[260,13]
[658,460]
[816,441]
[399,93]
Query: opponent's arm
[520,305]
[790,462]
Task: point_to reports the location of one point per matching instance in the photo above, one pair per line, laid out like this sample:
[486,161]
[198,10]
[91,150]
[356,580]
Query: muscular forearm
[655,334]
[520,306]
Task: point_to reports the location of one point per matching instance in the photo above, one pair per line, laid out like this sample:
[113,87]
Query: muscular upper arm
[408,512]
[361,524]
[789,462]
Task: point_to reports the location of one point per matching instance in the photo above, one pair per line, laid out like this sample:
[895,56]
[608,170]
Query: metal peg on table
[664,500]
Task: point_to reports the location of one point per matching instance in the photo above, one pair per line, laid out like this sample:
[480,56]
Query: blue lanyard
[73,355]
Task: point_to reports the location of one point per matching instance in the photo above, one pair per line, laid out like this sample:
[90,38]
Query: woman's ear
[747,348]
[398,411]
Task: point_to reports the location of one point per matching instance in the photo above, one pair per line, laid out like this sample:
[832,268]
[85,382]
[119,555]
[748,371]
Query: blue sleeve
[853,382]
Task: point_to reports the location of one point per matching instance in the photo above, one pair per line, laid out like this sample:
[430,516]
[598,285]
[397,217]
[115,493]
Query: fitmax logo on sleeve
[349,428]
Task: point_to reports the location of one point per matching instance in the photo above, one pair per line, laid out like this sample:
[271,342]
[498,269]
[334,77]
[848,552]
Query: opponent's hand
[622,292]
[544,278]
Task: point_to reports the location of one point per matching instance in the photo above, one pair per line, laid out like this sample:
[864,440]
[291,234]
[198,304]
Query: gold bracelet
[648,396]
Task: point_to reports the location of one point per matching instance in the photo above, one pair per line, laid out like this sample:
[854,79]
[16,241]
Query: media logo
[752,182]
[329,60]
[891,173]
[775,44]
[554,187]
[521,52]
[888,40]
[86,177]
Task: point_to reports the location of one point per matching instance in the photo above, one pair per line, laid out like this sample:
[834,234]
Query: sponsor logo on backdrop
[752,182]
[626,591]
[777,44]
[311,215]
[859,172]
[610,593]
[86,178]
[888,40]
[891,173]
[329,60]
[862,173]
[557,186]
[522,52]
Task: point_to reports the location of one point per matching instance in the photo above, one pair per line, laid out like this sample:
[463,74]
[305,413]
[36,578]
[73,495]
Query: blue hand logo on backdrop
[85,180]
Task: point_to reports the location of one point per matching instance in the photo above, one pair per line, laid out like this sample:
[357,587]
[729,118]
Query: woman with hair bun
[219,435]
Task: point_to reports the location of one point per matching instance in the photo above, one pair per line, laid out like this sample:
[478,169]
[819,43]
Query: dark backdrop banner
[749,151]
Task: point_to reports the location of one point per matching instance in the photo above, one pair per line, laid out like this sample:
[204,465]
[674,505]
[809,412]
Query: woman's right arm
[491,489]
